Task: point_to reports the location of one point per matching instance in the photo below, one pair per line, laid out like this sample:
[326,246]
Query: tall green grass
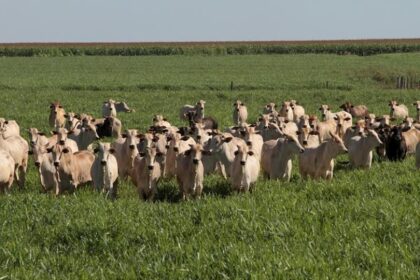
[360,48]
[363,224]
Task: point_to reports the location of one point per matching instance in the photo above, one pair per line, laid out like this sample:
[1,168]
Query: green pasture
[363,224]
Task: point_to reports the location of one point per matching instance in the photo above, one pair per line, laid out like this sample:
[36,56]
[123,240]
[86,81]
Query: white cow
[360,148]
[276,160]
[7,170]
[104,170]
[318,162]
[245,169]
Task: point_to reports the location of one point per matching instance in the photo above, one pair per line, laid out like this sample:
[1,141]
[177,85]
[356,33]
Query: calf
[276,159]
[57,117]
[267,129]
[286,111]
[160,121]
[270,108]
[110,108]
[371,122]
[177,144]
[190,171]
[253,140]
[344,122]
[73,121]
[104,170]
[223,147]
[10,127]
[63,139]
[360,148]
[158,140]
[44,163]
[318,162]
[147,173]
[240,112]
[126,151]
[205,122]
[397,110]
[7,169]
[407,123]
[111,127]
[18,149]
[72,170]
[411,138]
[38,138]
[86,136]
[326,113]
[198,109]
[306,135]
[245,169]
[298,110]
[359,111]
[395,145]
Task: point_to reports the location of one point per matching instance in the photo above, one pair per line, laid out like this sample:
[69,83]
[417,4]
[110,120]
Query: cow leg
[22,176]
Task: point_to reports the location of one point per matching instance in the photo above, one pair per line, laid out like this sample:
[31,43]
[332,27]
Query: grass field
[363,224]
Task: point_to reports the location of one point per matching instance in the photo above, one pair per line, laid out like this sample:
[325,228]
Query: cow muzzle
[56,163]
[61,142]
[243,162]
[132,147]
[150,167]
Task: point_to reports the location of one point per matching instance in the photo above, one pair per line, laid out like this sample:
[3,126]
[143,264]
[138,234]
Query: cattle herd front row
[72,156]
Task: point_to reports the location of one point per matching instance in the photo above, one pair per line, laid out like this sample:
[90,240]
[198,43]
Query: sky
[211,20]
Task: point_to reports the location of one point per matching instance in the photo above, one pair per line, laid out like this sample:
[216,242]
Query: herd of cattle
[73,156]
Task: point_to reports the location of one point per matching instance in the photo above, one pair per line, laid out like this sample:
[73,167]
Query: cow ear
[347,119]
[96,150]
[227,139]
[124,135]
[65,150]
[142,154]
[111,150]
[41,133]
[159,154]
[93,120]
[54,132]
[251,153]
[49,150]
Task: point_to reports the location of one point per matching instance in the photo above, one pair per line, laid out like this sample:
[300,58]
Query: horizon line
[199,42]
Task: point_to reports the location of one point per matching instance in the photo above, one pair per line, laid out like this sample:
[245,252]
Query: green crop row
[164,50]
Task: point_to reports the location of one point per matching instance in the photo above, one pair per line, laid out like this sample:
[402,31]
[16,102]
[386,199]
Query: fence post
[231,85]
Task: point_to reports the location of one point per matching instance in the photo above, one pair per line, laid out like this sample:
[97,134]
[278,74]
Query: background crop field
[363,224]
